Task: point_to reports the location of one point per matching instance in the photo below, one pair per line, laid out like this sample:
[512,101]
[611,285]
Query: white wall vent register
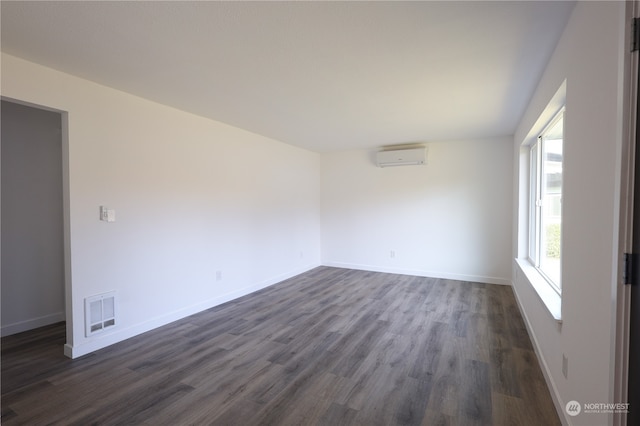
[100,312]
[402,157]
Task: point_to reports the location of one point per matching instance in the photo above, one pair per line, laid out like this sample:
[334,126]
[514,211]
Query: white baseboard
[103,340]
[30,324]
[551,384]
[422,273]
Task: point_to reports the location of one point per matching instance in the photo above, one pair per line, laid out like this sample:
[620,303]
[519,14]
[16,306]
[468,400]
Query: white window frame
[536,176]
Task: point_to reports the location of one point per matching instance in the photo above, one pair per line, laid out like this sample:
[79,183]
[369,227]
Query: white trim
[421,273]
[621,294]
[107,339]
[30,324]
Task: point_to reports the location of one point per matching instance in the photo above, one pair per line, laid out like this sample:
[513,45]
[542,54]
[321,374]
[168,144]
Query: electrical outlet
[565,366]
[392,254]
[218,275]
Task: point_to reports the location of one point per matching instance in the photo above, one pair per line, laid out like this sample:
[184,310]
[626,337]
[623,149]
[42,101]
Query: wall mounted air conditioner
[402,157]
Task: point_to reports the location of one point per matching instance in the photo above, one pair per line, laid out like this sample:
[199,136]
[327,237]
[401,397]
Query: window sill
[549,297]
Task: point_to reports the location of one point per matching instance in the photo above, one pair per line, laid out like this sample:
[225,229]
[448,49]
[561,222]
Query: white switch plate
[107,214]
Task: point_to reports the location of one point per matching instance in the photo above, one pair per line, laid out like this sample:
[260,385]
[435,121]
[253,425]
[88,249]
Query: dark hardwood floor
[329,347]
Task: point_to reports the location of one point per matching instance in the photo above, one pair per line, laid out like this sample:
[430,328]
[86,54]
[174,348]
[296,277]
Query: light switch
[107,214]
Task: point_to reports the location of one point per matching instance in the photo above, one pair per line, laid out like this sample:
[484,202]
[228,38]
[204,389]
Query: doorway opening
[34,213]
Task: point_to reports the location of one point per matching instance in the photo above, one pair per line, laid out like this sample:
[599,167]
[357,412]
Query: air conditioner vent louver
[402,157]
[100,312]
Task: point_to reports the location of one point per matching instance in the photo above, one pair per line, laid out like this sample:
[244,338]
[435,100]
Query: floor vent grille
[100,312]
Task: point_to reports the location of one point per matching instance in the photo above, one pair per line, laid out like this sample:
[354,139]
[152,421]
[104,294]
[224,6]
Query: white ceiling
[324,76]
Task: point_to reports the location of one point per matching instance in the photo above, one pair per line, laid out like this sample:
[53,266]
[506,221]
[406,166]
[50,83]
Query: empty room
[319,213]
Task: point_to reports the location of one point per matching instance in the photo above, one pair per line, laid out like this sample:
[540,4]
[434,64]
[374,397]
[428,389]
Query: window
[545,214]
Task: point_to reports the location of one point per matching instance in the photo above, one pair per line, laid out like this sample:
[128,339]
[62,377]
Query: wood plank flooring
[328,347]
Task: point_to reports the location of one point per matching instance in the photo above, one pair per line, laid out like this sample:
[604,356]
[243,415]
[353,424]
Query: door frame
[66,215]
[630,149]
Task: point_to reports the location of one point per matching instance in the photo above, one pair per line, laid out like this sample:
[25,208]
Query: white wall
[192,197]
[32,231]
[589,56]
[448,219]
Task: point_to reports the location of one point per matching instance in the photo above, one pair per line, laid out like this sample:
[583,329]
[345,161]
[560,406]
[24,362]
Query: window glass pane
[551,205]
